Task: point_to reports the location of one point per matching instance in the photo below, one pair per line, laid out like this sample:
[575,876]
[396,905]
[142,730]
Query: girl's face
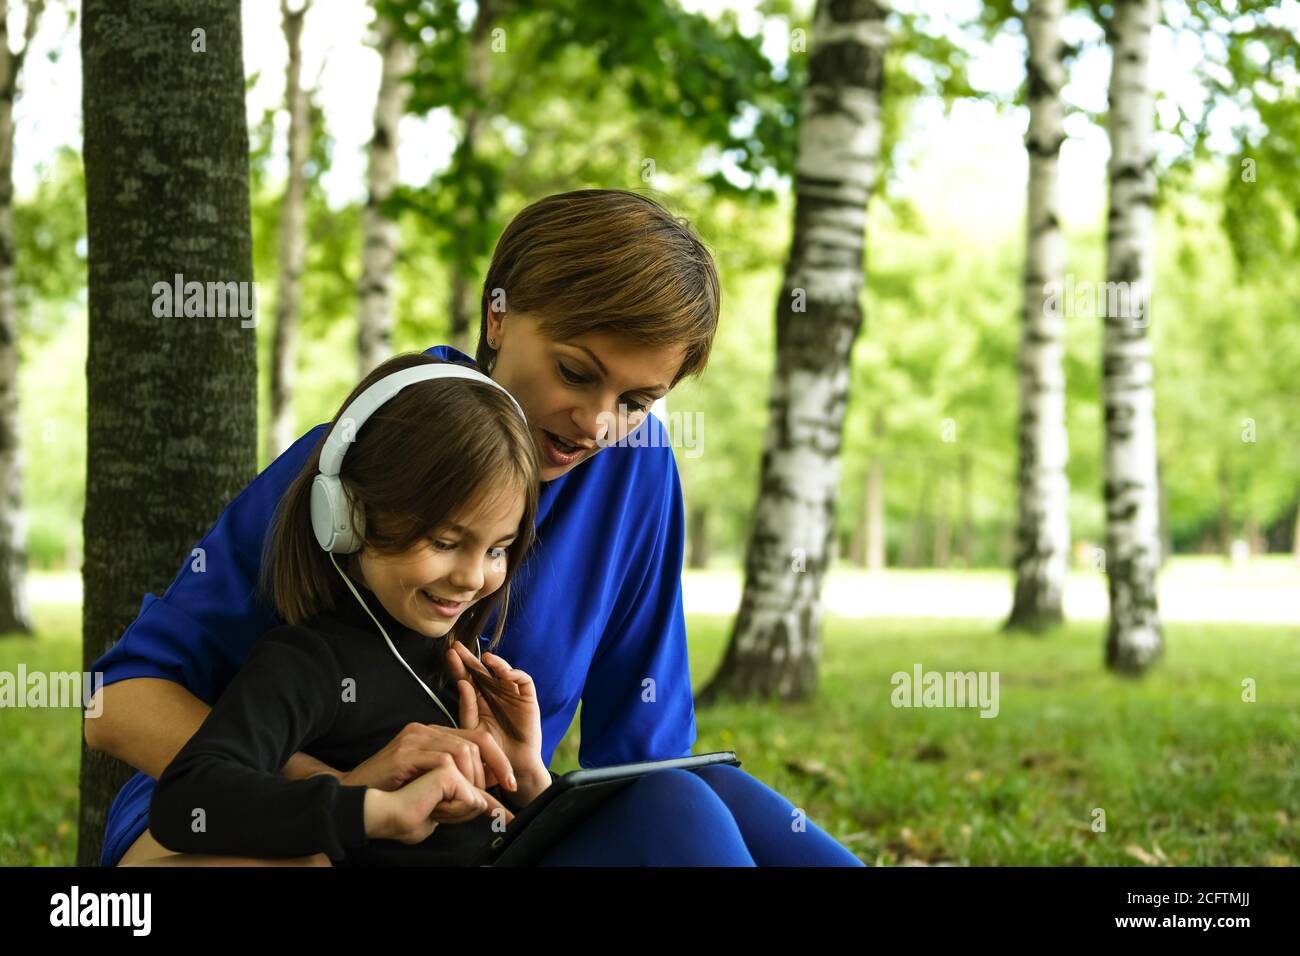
[429,586]
[590,391]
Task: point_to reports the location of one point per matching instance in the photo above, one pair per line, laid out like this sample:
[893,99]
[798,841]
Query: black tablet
[573,798]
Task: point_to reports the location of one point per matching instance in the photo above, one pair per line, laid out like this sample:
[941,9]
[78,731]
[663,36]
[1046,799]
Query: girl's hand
[520,704]
[443,795]
[419,748]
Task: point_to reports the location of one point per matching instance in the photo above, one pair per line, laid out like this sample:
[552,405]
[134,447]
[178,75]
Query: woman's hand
[442,795]
[419,748]
[520,704]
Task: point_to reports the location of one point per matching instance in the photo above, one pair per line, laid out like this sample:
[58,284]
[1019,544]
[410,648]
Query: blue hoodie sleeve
[202,628]
[622,721]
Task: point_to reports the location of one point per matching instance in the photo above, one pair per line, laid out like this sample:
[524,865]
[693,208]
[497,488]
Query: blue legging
[714,816]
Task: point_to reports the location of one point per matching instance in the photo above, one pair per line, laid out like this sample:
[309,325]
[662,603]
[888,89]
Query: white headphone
[338,530]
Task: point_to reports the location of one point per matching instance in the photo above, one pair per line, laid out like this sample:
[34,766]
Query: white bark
[874,503]
[775,646]
[875,514]
[293,241]
[15,615]
[1132,508]
[379,233]
[1044,529]
[463,305]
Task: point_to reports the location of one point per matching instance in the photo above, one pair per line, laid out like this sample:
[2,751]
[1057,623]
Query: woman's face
[458,564]
[590,391]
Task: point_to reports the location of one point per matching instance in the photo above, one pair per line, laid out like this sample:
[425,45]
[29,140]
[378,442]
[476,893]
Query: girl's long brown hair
[433,449]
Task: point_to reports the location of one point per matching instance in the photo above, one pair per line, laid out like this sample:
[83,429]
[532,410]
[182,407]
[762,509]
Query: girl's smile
[448,609]
[431,584]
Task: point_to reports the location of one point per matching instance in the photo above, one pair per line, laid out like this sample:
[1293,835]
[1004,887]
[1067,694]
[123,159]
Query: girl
[441,481]
[596,304]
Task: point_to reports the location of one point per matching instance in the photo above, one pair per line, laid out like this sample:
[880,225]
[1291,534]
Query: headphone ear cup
[331,516]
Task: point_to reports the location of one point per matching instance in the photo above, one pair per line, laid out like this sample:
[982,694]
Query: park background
[1187,770]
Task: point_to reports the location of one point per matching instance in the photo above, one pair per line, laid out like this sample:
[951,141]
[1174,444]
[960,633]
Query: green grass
[1185,771]
[40,749]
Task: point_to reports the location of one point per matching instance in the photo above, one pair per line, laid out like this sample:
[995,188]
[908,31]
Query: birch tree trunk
[380,235]
[875,503]
[698,536]
[875,508]
[15,616]
[913,545]
[171,395]
[1134,639]
[776,641]
[1224,518]
[942,526]
[293,242]
[463,279]
[1166,529]
[1043,532]
[965,478]
[1295,536]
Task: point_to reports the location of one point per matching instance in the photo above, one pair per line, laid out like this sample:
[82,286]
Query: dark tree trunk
[698,534]
[462,307]
[1295,535]
[172,401]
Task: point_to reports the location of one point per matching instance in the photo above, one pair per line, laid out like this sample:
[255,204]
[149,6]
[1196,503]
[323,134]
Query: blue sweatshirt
[595,611]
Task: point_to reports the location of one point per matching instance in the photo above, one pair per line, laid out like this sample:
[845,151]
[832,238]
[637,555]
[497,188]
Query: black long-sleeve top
[331,688]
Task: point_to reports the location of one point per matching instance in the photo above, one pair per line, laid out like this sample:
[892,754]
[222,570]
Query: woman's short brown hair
[606,260]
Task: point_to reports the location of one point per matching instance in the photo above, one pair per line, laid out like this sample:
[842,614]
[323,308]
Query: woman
[596,303]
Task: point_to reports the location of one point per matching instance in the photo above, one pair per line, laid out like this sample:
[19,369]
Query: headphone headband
[331,508]
[349,424]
